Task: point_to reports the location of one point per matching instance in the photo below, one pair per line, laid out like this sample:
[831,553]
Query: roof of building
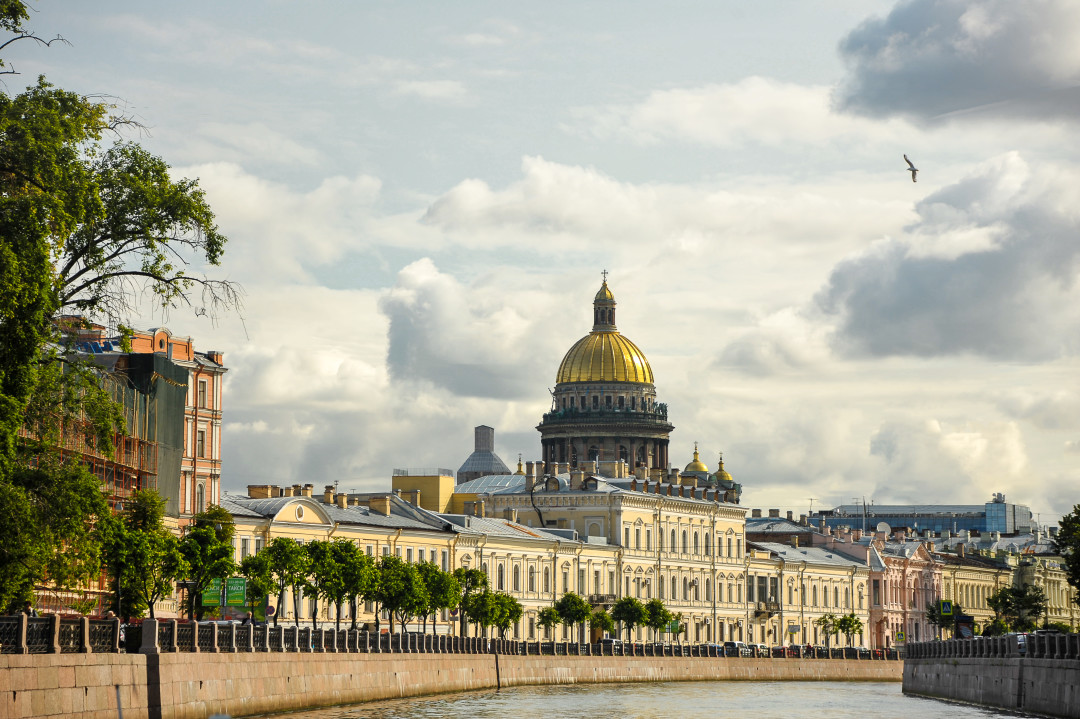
[484,461]
[810,555]
[402,514]
[775,525]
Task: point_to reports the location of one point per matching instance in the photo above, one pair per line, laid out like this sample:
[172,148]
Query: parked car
[736,649]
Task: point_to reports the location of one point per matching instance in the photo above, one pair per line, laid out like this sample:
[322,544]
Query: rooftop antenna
[812,500]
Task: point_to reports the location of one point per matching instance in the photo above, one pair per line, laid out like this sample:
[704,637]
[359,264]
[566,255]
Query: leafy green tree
[828,625]
[289,568]
[849,625]
[1067,544]
[208,551]
[509,613]
[657,616]
[324,574]
[1018,608]
[443,590]
[401,591]
[143,556]
[573,610]
[601,621]
[358,577]
[260,580]
[470,581]
[995,628]
[84,227]
[547,618]
[629,612]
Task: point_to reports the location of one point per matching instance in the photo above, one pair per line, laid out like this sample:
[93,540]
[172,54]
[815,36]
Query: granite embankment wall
[182,685]
[1042,677]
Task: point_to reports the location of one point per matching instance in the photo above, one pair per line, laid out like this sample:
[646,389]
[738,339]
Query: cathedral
[605,414]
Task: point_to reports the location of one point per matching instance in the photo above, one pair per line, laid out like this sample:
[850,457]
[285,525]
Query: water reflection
[684,700]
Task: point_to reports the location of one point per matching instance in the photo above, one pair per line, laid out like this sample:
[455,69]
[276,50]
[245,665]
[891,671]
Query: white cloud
[753,110]
[432,89]
[934,58]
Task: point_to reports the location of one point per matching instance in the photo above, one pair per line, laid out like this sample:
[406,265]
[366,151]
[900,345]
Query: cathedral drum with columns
[604,405]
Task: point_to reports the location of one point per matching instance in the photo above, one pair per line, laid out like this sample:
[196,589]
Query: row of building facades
[602,514]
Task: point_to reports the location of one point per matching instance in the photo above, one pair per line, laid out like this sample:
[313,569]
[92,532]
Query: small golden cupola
[721,474]
[520,469]
[697,465]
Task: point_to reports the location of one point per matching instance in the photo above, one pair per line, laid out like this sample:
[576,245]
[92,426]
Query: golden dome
[604,357]
[604,293]
[721,473]
[697,465]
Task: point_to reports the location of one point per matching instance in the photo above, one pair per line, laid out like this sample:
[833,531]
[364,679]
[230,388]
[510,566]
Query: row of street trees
[846,624]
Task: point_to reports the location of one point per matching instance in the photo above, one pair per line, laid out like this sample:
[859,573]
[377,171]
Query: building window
[547,581]
[200,498]
[685,543]
[445,561]
[648,539]
[876,593]
[202,393]
[637,538]
[626,536]
[708,544]
[245,547]
[729,546]
[674,545]
[697,548]
[408,555]
[517,579]
[595,402]
[532,583]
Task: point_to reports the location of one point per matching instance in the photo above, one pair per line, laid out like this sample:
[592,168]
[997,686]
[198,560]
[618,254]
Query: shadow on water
[680,700]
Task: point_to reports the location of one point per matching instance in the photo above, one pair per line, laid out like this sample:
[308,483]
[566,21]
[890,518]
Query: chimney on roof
[261,491]
[530,475]
[341,500]
[633,484]
[287,492]
[961,549]
[380,505]
[309,490]
[755,514]
[802,520]
[577,479]
[774,514]
[328,494]
[790,516]
[215,356]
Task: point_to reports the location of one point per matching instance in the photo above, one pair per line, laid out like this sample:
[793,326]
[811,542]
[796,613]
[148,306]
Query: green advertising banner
[235,592]
[673,627]
[211,596]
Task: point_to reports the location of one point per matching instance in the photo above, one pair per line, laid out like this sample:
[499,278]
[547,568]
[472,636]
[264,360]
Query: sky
[420,198]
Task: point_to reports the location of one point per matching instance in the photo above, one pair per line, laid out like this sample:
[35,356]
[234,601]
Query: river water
[683,700]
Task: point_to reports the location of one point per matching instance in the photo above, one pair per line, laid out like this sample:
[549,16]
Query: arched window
[836,596]
[501,578]
[685,589]
[200,498]
[547,580]
[517,579]
[729,546]
[685,543]
[697,548]
[708,545]
[708,591]
[813,595]
[674,546]
[674,588]
[532,579]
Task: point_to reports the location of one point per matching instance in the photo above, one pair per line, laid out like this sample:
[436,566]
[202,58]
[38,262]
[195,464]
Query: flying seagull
[911,168]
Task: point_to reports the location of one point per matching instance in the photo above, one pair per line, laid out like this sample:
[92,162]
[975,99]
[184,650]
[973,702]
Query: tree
[849,625]
[143,555]
[207,549]
[1067,544]
[470,581]
[443,590]
[657,616]
[1017,608]
[547,618]
[400,591]
[573,610]
[828,625]
[509,613]
[601,621]
[87,227]
[260,579]
[324,574]
[359,577]
[629,612]
[288,567]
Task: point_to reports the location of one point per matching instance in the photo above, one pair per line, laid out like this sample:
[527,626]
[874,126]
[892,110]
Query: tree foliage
[207,549]
[547,618]
[629,612]
[944,621]
[288,567]
[1018,608]
[470,581]
[358,576]
[572,609]
[260,580]
[1067,544]
[657,616]
[849,625]
[87,224]
[143,557]
[829,625]
[443,590]
[401,591]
